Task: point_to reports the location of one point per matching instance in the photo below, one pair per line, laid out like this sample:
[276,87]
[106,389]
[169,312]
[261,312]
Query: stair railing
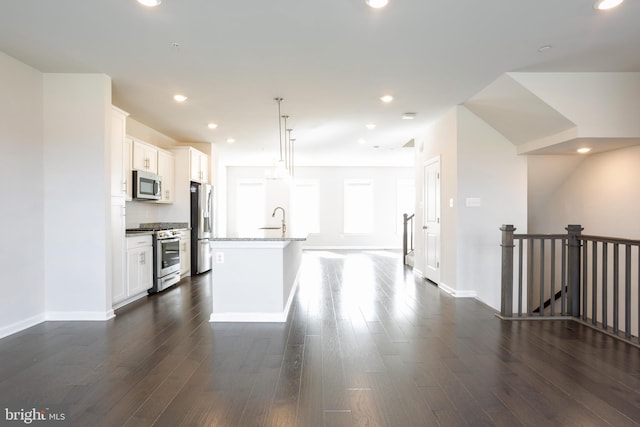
[407,236]
[591,279]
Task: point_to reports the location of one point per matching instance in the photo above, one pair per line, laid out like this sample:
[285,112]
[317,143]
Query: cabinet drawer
[138,241]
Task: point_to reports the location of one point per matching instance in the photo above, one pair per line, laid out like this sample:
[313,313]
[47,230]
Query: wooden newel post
[506,301]
[573,269]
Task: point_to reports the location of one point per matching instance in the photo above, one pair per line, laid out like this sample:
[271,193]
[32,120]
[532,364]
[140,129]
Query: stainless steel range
[166,253]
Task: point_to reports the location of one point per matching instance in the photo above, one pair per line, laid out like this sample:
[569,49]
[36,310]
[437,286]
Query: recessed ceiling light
[386,98]
[230,140]
[408,116]
[150,3]
[362,141]
[606,4]
[179,98]
[583,150]
[371,126]
[212,125]
[376,4]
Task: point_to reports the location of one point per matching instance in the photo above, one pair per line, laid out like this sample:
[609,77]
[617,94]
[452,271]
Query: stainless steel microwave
[146,185]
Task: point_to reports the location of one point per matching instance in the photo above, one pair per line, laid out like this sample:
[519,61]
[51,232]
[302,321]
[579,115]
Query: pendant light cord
[280,126]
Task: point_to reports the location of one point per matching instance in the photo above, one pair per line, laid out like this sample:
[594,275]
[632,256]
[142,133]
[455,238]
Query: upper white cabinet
[145,156]
[120,175]
[199,165]
[166,170]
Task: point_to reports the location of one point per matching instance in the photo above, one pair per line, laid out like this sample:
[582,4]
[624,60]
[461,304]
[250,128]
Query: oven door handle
[176,239]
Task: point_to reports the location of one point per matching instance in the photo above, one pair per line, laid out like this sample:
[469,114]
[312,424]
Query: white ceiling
[330,61]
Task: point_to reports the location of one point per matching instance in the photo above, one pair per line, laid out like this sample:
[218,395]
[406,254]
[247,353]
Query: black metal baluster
[530,279]
[585,249]
[594,282]
[542,260]
[616,285]
[520,273]
[627,291]
[553,278]
[605,283]
[563,288]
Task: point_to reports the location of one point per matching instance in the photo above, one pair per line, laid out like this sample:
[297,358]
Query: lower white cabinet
[139,269]
[118,250]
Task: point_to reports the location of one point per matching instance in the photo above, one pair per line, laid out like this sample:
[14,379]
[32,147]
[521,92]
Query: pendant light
[283,168]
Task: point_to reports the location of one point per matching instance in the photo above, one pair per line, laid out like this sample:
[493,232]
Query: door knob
[424,227]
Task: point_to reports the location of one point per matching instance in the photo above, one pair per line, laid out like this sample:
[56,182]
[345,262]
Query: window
[405,203]
[358,206]
[305,208]
[250,207]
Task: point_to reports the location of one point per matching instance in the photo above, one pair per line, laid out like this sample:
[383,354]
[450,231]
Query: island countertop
[258,238]
[267,234]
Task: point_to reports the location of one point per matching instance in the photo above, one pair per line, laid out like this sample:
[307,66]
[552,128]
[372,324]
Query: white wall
[475,161]
[599,191]
[602,105]
[77,255]
[440,141]
[488,169]
[331,184]
[21,192]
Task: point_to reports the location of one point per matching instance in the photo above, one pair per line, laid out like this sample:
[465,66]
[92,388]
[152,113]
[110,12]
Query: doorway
[431,220]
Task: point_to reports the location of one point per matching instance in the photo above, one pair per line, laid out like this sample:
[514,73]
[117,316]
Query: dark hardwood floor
[366,344]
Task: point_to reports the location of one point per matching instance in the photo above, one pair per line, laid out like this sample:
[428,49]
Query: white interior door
[431,220]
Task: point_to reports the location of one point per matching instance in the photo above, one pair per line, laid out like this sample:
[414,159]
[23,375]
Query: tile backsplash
[138,212]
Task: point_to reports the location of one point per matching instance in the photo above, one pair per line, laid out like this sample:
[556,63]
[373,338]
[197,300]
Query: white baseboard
[130,300]
[79,315]
[418,272]
[457,293]
[13,328]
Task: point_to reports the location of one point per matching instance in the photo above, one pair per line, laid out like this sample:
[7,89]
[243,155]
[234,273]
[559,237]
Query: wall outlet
[219,257]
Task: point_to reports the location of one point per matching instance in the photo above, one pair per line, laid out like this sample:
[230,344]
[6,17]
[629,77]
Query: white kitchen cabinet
[185,253]
[166,169]
[119,155]
[199,163]
[139,265]
[118,250]
[145,156]
[127,166]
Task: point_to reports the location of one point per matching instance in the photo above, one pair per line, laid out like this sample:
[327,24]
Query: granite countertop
[131,233]
[165,225]
[150,227]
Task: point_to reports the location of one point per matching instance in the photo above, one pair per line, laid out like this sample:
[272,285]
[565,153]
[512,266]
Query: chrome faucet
[284,225]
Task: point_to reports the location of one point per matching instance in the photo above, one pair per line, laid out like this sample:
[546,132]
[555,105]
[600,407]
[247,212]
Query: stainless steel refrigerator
[202,227]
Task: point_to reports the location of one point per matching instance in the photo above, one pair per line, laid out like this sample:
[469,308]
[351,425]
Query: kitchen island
[254,279]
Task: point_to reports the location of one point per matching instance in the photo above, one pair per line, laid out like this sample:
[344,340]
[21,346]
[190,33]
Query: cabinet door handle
[142,258]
